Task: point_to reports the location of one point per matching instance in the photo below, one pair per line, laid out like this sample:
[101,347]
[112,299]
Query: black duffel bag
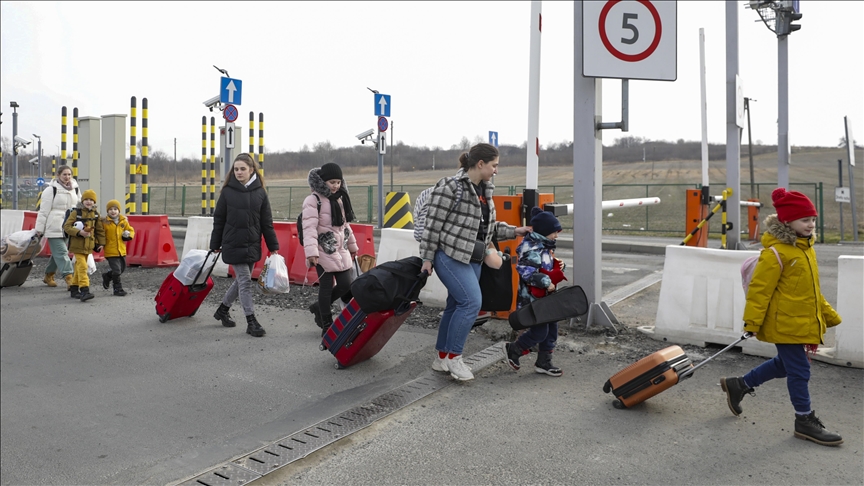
[564,303]
[389,284]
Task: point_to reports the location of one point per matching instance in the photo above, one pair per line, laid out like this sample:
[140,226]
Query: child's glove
[126,236]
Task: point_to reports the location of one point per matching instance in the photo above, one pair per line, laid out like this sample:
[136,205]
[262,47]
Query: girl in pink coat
[328,241]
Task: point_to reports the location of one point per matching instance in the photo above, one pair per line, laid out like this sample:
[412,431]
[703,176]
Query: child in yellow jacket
[86,235]
[117,232]
[785,306]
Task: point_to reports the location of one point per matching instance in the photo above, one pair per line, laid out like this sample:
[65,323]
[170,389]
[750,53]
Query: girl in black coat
[242,216]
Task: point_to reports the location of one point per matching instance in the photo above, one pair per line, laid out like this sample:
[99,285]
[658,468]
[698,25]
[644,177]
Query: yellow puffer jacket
[787,307]
[114,244]
[81,245]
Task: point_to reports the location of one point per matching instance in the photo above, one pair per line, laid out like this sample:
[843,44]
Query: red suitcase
[654,374]
[356,336]
[176,300]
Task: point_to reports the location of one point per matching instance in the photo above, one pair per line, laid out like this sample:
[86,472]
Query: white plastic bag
[274,276]
[20,245]
[191,264]
[91,264]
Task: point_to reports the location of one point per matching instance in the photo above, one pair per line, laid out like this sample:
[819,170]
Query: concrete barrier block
[198,230]
[702,300]
[399,243]
[11,221]
[849,335]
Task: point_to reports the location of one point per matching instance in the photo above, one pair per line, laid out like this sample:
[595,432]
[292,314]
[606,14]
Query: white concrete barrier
[198,230]
[849,335]
[11,221]
[399,243]
[702,300]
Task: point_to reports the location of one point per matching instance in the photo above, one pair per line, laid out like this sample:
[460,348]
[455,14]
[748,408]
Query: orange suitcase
[647,377]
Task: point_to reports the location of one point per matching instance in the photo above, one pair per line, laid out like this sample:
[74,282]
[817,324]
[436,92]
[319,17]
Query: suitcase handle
[209,272]
[406,303]
[37,247]
[689,372]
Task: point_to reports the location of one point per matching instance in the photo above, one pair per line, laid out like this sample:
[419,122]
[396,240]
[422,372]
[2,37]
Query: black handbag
[497,286]
[562,304]
[479,251]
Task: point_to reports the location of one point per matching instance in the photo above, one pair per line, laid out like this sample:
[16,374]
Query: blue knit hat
[544,222]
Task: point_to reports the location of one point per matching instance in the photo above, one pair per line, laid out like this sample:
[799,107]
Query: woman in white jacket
[61,194]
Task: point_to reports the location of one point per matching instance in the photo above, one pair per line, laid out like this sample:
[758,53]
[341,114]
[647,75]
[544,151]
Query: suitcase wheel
[164,317]
[321,347]
[338,366]
[193,313]
[619,405]
[607,387]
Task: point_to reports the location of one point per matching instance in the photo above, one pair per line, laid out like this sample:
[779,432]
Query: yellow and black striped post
[53,167]
[203,165]
[397,211]
[721,205]
[724,226]
[133,152]
[145,190]
[212,165]
[1,177]
[63,141]
[127,204]
[261,143]
[75,142]
[252,134]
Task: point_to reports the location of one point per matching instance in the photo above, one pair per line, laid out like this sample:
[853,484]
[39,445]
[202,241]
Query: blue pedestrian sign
[493,139]
[40,182]
[382,105]
[230,91]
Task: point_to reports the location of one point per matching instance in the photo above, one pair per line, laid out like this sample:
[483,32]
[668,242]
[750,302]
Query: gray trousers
[243,287]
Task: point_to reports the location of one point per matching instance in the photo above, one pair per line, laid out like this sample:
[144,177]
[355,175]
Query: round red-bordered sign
[383,124]
[658,31]
[230,113]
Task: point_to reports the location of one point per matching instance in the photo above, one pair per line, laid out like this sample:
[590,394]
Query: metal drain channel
[299,445]
[630,289]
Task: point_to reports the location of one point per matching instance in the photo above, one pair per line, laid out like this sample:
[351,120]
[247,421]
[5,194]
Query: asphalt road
[103,393]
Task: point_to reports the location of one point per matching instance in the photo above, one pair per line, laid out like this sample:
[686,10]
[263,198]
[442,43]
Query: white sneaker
[439,364]
[458,369]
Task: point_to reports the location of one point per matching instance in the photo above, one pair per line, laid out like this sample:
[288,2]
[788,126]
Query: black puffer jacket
[242,215]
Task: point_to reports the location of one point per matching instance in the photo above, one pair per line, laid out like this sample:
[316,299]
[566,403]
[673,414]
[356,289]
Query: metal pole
[533,141]
[852,198]
[175,168]
[783,146]
[840,170]
[391,156]
[39,163]
[750,147]
[14,157]
[733,133]
[380,188]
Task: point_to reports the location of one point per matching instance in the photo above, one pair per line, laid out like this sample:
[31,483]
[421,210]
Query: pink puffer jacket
[332,245]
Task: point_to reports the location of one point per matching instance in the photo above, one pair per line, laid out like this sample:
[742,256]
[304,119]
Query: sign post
[493,139]
[382,111]
[850,151]
[230,95]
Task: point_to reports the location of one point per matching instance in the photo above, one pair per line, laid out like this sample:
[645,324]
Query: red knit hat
[792,205]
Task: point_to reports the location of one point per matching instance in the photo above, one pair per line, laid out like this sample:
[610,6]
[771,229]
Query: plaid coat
[452,222]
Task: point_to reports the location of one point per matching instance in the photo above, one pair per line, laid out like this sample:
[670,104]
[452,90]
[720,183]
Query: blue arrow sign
[230,91]
[493,138]
[382,105]
[40,182]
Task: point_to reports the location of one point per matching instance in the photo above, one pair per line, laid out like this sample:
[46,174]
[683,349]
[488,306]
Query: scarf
[336,211]
[68,187]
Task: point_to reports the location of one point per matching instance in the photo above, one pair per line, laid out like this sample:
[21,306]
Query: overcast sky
[452,69]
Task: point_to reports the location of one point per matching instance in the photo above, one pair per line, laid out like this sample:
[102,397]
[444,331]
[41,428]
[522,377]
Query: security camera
[22,141]
[212,103]
[365,135]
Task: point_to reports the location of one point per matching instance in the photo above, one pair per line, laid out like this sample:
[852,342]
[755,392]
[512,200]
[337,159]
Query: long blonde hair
[250,161]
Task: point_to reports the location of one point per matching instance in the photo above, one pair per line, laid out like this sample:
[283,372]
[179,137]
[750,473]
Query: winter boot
[253,328]
[74,292]
[735,389]
[85,294]
[808,427]
[49,280]
[315,310]
[106,280]
[544,364]
[222,315]
[512,352]
[118,287]
[68,279]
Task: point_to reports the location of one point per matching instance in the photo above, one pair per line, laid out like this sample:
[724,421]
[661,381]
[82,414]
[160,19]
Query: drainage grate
[295,447]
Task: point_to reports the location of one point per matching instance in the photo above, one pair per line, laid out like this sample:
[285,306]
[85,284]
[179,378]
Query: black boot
[106,280]
[118,287]
[85,294]
[253,328]
[222,315]
[74,292]
[544,364]
[316,311]
[512,353]
[808,427]
[735,389]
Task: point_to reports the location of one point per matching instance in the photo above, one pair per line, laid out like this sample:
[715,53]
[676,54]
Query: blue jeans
[462,281]
[59,261]
[791,363]
[546,335]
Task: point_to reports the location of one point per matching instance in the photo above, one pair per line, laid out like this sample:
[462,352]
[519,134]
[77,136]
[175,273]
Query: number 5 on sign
[630,39]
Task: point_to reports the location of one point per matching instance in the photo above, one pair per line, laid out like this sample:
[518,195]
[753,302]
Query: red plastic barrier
[297,271]
[153,245]
[30,223]
[365,239]
[284,235]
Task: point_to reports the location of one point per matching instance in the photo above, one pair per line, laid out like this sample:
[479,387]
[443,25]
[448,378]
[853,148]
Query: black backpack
[77,218]
[300,219]
[389,284]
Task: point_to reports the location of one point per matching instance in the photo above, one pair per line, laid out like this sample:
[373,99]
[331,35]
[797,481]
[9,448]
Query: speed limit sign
[630,39]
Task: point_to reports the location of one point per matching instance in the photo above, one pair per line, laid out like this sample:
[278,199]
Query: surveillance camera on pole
[365,136]
[213,103]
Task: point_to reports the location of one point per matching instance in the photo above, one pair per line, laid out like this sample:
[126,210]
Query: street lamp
[14,106]
[39,153]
